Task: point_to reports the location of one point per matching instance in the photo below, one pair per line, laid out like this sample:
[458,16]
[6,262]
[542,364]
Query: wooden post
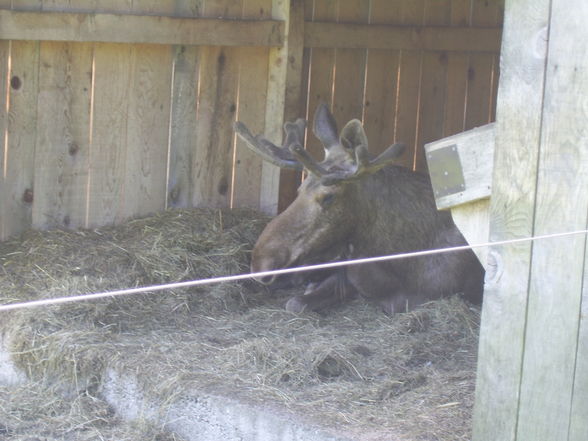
[533,358]
[283,90]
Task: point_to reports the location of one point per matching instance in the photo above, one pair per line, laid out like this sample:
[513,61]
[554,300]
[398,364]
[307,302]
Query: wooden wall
[533,363]
[109,109]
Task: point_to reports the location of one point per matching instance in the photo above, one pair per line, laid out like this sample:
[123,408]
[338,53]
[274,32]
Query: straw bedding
[352,369]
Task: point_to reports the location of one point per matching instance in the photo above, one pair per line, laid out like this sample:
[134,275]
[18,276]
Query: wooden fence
[112,109]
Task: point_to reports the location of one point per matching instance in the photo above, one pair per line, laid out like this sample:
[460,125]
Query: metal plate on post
[446,171]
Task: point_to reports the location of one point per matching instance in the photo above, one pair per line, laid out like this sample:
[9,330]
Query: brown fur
[383,210]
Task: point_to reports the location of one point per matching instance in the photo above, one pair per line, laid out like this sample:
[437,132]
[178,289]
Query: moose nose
[266,280]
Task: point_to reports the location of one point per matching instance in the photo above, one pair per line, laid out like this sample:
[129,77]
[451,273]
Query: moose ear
[325,127]
[353,135]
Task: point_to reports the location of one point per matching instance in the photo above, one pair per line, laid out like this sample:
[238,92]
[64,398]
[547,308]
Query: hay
[37,412]
[353,369]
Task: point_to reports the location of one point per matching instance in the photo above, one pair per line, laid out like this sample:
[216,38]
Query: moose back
[352,206]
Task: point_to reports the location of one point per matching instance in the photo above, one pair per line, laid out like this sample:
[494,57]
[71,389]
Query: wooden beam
[433,38]
[512,213]
[119,28]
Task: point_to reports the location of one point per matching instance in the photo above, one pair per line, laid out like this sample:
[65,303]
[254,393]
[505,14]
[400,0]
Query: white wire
[258,275]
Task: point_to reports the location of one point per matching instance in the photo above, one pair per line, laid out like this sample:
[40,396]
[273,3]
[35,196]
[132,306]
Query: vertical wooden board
[19,150]
[350,65]
[147,131]
[409,76]
[63,135]
[480,90]
[380,98]
[183,113]
[557,271]
[218,82]
[457,74]
[483,68]
[322,63]
[216,114]
[381,85]
[112,73]
[252,97]
[433,85]
[183,126]
[253,75]
[578,420]
[511,216]
[455,98]
[431,104]
[288,84]
[4,81]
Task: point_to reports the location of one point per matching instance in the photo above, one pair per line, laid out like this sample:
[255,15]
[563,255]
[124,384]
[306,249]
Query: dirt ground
[352,370]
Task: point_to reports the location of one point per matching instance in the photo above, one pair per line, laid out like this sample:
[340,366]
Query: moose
[352,206]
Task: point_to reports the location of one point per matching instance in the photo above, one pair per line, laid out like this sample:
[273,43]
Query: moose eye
[327,200]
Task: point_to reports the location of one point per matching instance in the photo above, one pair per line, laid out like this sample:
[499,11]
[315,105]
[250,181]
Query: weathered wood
[125,28]
[184,98]
[284,94]
[432,94]
[409,81]
[4,69]
[511,216]
[253,79]
[217,109]
[557,266]
[475,151]
[578,420]
[433,38]
[110,114]
[18,187]
[483,68]
[350,67]
[381,83]
[473,220]
[63,135]
[147,131]
[322,66]
[457,75]
[297,83]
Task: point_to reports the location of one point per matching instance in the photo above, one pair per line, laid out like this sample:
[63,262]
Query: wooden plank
[183,131]
[381,85]
[63,135]
[297,84]
[125,28]
[475,152]
[578,420]
[253,78]
[457,74]
[483,68]
[19,149]
[433,85]
[287,101]
[219,72]
[511,216]
[4,85]
[409,79]
[557,271]
[112,74]
[322,65]
[322,34]
[350,67]
[147,131]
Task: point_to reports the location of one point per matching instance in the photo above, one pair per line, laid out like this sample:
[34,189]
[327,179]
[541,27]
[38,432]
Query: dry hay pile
[354,369]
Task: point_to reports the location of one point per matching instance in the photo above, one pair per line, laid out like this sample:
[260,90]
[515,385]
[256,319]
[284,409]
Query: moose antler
[292,154]
[280,156]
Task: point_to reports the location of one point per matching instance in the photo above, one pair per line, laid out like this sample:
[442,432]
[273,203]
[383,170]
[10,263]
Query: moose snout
[264,259]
